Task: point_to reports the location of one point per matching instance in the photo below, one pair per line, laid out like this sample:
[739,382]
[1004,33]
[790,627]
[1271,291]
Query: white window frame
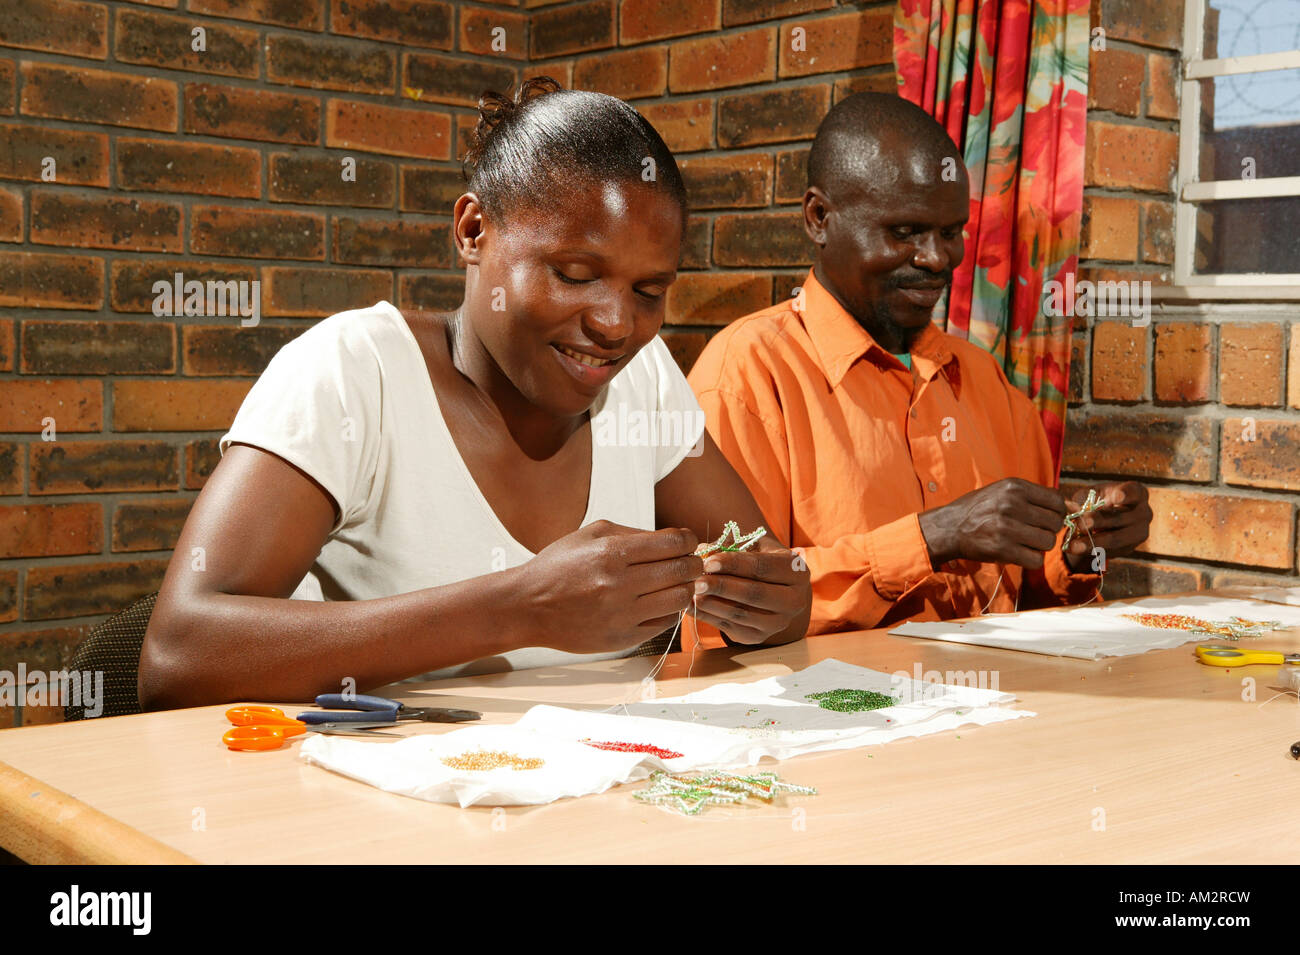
[1189,191]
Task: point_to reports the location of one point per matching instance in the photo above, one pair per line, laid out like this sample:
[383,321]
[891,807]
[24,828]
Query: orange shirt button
[933,487]
[913,412]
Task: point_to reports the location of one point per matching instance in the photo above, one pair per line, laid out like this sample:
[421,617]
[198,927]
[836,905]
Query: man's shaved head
[860,139]
[886,203]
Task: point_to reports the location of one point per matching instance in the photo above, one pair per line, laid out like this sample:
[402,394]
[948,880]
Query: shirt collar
[840,341]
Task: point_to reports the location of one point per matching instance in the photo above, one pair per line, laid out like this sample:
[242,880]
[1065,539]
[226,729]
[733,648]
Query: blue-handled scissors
[359,708]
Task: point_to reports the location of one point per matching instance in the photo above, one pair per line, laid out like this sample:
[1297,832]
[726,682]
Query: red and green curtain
[1008,79]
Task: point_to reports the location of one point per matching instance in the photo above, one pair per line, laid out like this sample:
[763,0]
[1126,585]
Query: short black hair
[544,143]
[849,139]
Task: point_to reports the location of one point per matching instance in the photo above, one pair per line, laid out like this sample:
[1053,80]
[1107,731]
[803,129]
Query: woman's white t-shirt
[350,403]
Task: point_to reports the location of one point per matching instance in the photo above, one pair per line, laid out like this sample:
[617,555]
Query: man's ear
[816,210]
[468,228]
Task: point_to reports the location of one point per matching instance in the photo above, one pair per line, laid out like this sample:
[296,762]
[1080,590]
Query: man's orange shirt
[843,446]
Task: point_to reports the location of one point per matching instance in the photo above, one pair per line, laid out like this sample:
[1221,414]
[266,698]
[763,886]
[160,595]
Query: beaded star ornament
[739,542]
[1090,504]
[1234,628]
[689,794]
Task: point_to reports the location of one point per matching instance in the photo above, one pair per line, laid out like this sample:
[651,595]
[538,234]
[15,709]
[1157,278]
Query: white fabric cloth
[350,402]
[710,729]
[1091,633]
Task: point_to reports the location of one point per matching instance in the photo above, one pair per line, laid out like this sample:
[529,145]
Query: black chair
[113,648]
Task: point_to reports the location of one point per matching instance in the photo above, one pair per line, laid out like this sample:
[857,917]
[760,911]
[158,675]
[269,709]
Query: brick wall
[225,165]
[1204,404]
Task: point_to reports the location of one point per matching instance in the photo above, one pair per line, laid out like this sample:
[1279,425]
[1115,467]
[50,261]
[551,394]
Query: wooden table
[1123,761]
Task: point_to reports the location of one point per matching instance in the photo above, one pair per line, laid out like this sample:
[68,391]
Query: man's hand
[753,596]
[1012,521]
[1117,528]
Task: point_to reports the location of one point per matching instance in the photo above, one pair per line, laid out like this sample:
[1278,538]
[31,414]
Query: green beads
[851,701]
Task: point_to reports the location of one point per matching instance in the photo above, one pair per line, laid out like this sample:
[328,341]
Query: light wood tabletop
[1128,761]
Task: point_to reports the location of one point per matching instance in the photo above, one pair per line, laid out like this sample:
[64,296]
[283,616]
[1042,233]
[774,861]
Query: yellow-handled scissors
[1233,657]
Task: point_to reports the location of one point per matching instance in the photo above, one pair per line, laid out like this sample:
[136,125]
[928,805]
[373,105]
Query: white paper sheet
[1277,595]
[721,727]
[1092,633]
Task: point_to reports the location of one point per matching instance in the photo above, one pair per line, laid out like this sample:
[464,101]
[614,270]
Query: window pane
[1245,27]
[1248,235]
[1251,116]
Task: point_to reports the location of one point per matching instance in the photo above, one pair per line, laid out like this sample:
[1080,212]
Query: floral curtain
[1008,79]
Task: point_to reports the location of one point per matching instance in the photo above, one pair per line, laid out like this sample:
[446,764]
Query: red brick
[136,225]
[131,281]
[423,23]
[684,125]
[40,280]
[1139,445]
[330,64]
[738,12]
[1224,579]
[559,70]
[162,40]
[49,530]
[6,357]
[1158,232]
[1115,80]
[1148,22]
[13,459]
[715,298]
[761,240]
[641,20]
[1293,376]
[149,525]
[1251,364]
[225,350]
[696,243]
[1109,229]
[430,189]
[43,650]
[728,181]
[1119,362]
[158,165]
[369,127]
[444,79]
[56,26]
[98,348]
[11,215]
[8,86]
[880,81]
[572,29]
[425,290]
[685,347]
[201,459]
[80,159]
[237,113]
[98,96]
[1162,86]
[849,41]
[79,590]
[774,116]
[75,405]
[318,292]
[303,14]
[1261,453]
[176,405]
[8,612]
[1078,366]
[494,33]
[80,467]
[392,243]
[1141,578]
[1183,362]
[627,74]
[734,59]
[1130,157]
[318,180]
[1226,528]
[257,233]
[791,175]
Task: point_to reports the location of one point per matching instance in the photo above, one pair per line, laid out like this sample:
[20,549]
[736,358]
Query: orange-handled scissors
[267,727]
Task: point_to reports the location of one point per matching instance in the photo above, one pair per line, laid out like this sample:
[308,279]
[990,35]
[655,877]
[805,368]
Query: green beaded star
[689,794]
[851,701]
[1092,503]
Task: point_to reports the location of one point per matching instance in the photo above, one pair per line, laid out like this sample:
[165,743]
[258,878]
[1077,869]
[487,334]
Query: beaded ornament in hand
[1092,503]
[739,541]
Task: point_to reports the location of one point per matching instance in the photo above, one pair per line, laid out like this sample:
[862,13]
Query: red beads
[634,748]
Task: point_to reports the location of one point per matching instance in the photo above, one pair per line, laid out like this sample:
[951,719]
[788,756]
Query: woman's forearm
[204,648]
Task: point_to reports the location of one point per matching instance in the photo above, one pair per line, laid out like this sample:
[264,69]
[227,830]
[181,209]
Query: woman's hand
[607,587]
[757,595]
